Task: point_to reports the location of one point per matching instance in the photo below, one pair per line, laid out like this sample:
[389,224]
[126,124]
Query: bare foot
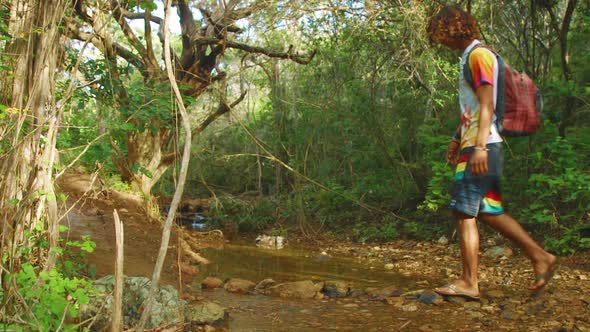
[459,288]
[544,270]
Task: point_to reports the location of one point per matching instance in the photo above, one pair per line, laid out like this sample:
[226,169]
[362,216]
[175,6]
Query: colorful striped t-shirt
[484,68]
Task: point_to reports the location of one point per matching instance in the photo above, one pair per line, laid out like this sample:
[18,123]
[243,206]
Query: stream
[242,259]
[264,313]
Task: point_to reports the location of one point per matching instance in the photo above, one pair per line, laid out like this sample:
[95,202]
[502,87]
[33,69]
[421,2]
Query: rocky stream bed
[331,286]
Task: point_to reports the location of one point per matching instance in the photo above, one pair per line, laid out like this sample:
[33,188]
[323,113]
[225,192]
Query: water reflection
[291,264]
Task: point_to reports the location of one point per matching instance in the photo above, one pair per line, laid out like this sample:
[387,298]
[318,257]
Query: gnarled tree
[209,29]
[28,129]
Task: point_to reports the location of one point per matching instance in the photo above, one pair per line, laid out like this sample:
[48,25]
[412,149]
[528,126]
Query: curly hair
[452,23]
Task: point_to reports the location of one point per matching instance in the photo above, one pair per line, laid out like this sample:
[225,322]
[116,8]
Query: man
[476,150]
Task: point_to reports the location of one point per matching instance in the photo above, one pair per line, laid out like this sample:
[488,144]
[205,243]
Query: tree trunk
[27,200]
[146,159]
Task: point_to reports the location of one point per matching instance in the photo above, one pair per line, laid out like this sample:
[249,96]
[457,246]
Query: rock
[295,290]
[167,308]
[356,292]
[205,313]
[475,314]
[409,307]
[489,309]
[498,251]
[430,328]
[350,305]
[509,314]
[189,269]
[443,240]
[236,285]
[430,297]
[319,296]
[456,299]
[211,283]
[335,288]
[264,284]
[534,309]
[322,257]
[380,294]
[270,242]
[389,266]
[209,328]
[495,294]
[471,305]
[397,302]
[413,294]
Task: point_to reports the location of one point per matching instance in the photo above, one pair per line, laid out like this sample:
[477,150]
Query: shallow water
[264,313]
[240,259]
[292,264]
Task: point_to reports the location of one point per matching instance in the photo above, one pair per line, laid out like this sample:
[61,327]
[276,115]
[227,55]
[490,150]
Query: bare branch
[222,109]
[140,16]
[289,54]
[122,51]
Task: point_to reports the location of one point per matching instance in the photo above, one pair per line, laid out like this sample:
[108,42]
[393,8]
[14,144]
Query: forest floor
[506,304]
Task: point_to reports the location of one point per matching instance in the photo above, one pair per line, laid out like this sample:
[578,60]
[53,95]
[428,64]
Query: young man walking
[476,150]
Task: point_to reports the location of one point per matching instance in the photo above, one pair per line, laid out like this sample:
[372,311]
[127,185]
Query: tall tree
[208,30]
[28,129]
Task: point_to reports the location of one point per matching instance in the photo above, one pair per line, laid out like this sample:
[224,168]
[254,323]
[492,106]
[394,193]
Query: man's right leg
[469,241]
[543,262]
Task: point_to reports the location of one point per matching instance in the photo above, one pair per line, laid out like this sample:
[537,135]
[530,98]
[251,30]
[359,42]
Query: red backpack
[518,104]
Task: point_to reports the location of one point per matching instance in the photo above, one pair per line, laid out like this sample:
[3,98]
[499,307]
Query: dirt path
[92,215]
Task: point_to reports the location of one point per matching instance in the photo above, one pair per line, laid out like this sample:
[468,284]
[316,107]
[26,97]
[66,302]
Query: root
[186,249]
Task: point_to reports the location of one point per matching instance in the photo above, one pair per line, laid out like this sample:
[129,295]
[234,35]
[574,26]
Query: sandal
[454,290]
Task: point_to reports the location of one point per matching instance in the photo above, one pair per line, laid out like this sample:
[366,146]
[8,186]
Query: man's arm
[479,160]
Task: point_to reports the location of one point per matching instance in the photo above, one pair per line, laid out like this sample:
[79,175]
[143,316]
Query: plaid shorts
[473,194]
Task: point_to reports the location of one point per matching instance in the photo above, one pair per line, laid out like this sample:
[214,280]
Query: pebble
[495,294]
[443,240]
[456,299]
[471,305]
[389,266]
[509,314]
[409,307]
[430,297]
[395,301]
[489,309]
[475,314]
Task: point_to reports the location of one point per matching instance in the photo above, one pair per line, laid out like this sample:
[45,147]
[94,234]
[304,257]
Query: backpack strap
[501,84]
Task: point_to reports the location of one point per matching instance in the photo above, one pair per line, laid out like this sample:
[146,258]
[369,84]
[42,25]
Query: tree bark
[27,197]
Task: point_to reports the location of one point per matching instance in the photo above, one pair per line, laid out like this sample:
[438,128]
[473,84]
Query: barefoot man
[476,150]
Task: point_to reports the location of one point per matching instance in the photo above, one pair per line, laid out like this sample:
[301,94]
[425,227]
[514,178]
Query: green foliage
[370,118]
[559,170]
[114,181]
[440,172]
[51,297]
[387,231]
[248,215]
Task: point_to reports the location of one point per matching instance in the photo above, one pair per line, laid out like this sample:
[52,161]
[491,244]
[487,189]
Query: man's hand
[479,162]
[453,152]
